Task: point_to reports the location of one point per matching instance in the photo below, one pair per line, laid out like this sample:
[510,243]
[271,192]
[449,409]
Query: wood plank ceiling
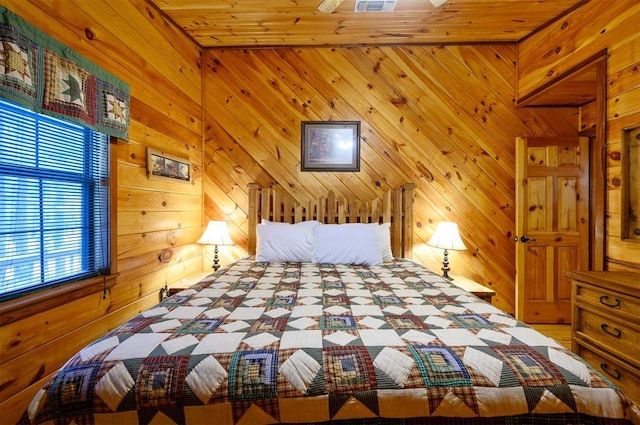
[276,23]
[295,23]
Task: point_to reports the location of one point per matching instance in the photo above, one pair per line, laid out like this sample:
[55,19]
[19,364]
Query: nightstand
[175,290]
[187,282]
[474,287]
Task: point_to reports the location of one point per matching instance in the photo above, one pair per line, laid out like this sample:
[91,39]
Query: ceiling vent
[375,5]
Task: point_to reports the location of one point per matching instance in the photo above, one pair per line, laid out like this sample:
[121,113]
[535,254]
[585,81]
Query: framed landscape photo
[630,184]
[162,165]
[330,146]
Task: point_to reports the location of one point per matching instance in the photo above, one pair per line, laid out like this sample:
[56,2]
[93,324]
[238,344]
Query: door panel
[567,204]
[552,214]
[567,260]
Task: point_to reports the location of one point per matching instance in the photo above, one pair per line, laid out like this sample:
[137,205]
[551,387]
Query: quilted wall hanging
[48,77]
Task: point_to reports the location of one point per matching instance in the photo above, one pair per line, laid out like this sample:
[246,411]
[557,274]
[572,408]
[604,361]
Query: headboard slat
[265,198]
[395,206]
[342,218]
[396,225]
[407,204]
[386,207]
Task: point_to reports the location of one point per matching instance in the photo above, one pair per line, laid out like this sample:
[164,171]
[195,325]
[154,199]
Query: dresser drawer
[616,335]
[625,377]
[608,301]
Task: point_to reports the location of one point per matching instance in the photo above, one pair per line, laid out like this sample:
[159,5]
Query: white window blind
[54,201]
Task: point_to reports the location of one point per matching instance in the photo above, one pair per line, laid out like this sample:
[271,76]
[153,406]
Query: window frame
[62,290]
[16,309]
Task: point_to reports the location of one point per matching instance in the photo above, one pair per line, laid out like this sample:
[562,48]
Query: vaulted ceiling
[273,23]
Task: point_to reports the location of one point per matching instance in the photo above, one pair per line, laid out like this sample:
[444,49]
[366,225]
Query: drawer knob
[605,300]
[615,373]
[615,332]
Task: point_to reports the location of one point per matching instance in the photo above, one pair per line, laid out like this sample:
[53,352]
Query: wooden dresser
[606,325]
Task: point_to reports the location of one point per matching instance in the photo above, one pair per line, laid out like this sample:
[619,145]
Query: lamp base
[216,262]
[445,266]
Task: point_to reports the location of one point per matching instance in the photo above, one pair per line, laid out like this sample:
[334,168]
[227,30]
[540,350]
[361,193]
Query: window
[54,201]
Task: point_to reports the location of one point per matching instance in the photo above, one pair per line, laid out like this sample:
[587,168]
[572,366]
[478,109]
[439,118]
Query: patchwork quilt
[261,343]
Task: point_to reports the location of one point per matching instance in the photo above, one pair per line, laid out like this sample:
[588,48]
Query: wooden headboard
[395,206]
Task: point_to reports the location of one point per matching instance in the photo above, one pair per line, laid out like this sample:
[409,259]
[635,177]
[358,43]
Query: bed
[286,336]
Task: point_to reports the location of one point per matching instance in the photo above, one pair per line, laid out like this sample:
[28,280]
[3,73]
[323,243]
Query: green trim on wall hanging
[48,77]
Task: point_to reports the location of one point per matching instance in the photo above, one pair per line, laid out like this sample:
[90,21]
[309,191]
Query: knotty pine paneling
[564,44]
[595,26]
[588,116]
[163,68]
[283,23]
[440,116]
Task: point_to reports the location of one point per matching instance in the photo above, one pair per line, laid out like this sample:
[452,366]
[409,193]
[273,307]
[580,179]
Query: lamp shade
[216,233]
[447,237]
[328,6]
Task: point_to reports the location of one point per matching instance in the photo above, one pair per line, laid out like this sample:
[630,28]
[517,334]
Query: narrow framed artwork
[330,146]
[165,166]
[630,184]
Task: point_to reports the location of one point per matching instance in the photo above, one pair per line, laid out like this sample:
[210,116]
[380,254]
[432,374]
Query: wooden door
[552,224]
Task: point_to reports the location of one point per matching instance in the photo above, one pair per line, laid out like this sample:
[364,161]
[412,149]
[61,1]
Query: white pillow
[355,243]
[281,242]
[384,241]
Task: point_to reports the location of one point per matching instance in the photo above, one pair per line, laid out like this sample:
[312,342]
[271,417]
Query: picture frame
[630,184]
[330,146]
[165,166]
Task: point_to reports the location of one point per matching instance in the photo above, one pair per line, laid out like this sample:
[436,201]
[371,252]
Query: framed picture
[330,146]
[630,184]
[162,165]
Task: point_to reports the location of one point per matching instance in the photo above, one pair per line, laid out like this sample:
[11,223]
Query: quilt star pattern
[261,343]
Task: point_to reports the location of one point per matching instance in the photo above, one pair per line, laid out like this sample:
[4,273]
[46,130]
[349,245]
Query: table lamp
[216,234]
[447,237]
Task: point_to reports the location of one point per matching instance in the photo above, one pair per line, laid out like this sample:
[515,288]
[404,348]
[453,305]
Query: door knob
[524,239]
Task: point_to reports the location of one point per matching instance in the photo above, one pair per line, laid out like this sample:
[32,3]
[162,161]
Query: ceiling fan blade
[437,3]
[328,6]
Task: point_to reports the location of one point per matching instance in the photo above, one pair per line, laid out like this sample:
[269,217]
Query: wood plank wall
[442,117]
[560,47]
[163,68]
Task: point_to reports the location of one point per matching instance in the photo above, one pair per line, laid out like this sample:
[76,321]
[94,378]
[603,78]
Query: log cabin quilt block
[68,89]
